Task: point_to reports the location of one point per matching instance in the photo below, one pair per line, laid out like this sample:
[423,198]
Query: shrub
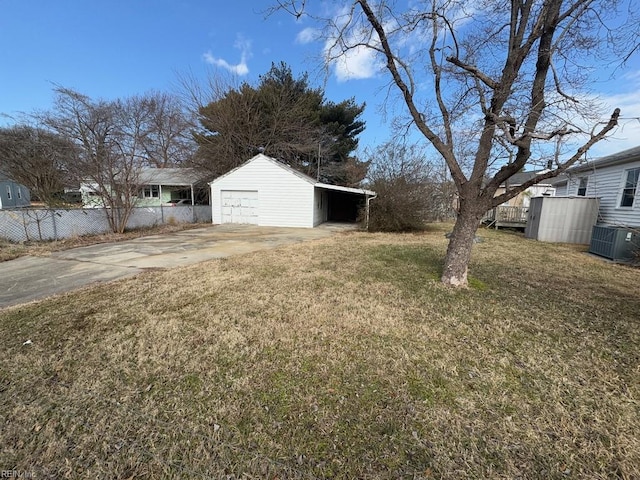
[399,206]
[410,190]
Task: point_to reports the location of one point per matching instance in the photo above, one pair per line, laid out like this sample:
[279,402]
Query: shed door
[239,206]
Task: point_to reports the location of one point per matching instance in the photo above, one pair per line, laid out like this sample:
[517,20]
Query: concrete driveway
[32,278]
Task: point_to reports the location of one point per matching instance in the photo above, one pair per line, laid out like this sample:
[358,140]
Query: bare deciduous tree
[115,139]
[412,190]
[37,159]
[168,141]
[110,151]
[507,74]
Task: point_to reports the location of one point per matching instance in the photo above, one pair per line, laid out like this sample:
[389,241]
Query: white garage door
[239,206]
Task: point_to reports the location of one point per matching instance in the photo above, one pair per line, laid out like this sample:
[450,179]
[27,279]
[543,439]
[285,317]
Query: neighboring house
[164,185]
[615,180]
[266,192]
[513,213]
[523,199]
[157,186]
[13,194]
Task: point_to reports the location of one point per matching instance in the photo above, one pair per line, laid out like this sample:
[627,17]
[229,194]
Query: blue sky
[126,47]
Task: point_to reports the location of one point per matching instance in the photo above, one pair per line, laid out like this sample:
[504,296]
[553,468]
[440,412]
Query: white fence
[26,224]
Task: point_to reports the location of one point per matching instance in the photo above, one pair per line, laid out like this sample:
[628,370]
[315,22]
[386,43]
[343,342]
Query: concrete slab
[31,278]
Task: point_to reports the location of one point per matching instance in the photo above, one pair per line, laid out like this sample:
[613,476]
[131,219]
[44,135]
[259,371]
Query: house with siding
[156,187]
[615,180]
[165,185]
[13,194]
[264,191]
[523,199]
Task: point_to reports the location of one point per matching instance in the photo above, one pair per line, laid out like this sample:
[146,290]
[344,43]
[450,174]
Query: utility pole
[318,175]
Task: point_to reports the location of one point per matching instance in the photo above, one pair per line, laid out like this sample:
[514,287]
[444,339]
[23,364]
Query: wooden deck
[506,217]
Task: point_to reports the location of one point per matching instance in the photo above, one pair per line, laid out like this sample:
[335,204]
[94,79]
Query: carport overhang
[359,191]
[367,195]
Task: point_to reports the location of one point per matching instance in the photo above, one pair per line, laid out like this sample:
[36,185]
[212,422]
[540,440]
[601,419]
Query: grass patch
[341,358]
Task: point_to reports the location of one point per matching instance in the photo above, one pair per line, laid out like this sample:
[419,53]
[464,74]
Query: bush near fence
[28,224]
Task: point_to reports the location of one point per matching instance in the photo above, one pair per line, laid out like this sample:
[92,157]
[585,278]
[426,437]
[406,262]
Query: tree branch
[489,82]
[444,149]
[508,170]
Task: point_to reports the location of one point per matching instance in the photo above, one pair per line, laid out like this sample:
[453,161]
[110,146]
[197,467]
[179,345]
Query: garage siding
[284,199]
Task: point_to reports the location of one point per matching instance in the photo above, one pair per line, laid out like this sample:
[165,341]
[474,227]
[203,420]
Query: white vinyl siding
[284,198]
[561,189]
[321,206]
[607,184]
[573,184]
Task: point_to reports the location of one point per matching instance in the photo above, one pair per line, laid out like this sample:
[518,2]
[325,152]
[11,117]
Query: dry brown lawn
[341,358]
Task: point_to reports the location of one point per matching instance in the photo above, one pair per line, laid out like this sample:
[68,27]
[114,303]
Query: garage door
[239,206]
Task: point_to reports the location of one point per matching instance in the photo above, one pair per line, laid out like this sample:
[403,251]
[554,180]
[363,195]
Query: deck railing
[507,215]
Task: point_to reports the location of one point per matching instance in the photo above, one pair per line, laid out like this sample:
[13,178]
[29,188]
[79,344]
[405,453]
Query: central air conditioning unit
[615,243]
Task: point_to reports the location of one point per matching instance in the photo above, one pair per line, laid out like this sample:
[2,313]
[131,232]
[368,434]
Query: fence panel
[77,222]
[27,224]
[202,213]
[178,214]
[145,217]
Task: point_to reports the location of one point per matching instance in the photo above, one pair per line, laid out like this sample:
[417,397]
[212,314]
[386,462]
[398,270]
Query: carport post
[366,221]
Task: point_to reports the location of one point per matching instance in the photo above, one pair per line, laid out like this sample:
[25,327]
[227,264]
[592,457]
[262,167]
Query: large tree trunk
[456,261]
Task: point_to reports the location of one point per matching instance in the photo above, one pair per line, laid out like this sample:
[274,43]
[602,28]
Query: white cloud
[357,63]
[240,68]
[349,55]
[307,35]
[627,133]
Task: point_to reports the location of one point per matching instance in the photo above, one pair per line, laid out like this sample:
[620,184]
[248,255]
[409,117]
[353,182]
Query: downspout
[369,198]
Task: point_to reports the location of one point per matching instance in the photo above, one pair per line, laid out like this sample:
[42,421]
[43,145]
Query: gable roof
[169,176]
[520,177]
[293,171]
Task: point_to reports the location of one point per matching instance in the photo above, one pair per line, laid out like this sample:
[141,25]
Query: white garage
[266,192]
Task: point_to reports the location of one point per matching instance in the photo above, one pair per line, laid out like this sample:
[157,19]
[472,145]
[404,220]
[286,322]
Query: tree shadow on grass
[410,267]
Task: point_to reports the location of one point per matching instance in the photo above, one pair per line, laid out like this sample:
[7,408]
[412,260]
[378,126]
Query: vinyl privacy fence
[26,224]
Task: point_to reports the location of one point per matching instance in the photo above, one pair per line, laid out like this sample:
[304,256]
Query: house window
[19,192]
[150,191]
[629,188]
[8,192]
[582,187]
